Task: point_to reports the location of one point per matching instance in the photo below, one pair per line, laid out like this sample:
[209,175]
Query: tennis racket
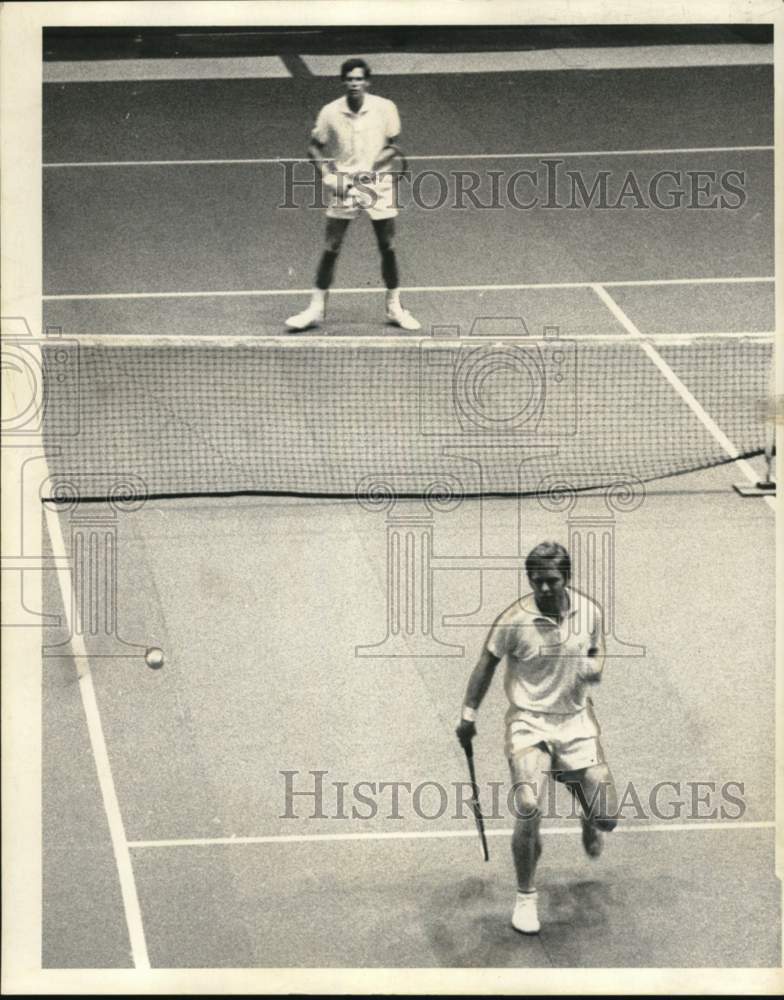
[475,807]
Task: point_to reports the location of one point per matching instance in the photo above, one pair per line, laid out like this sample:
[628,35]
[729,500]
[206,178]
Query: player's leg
[580,761]
[594,788]
[529,780]
[384,228]
[333,240]
[529,769]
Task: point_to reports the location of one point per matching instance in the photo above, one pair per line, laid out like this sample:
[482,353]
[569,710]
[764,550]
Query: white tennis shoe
[525,918]
[401,317]
[312,316]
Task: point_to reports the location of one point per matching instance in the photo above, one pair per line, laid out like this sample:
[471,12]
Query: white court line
[307,838]
[415,158]
[531,286]
[111,804]
[702,415]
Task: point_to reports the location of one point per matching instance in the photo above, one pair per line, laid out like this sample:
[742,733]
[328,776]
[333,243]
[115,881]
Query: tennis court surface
[321,543]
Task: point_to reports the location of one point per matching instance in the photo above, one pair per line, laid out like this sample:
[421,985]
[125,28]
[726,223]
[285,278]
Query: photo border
[21,25]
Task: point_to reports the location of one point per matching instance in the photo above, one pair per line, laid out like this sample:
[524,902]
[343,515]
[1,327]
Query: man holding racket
[353,146]
[553,643]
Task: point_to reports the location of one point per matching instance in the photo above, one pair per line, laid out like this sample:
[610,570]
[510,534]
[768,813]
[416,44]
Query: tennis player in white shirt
[553,644]
[354,132]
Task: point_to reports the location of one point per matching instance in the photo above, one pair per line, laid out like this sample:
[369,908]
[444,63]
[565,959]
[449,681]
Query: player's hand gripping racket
[335,180]
[475,807]
[389,166]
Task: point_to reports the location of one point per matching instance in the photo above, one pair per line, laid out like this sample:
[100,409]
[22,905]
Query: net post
[766,486]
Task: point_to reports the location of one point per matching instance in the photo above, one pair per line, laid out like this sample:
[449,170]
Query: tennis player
[353,132]
[553,643]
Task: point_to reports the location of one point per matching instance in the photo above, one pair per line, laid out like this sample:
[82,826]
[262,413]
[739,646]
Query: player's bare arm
[596,653]
[316,154]
[480,679]
[337,183]
[388,154]
[478,686]
[593,674]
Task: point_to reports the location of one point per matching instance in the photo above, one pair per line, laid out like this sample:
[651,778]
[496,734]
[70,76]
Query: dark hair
[549,552]
[350,64]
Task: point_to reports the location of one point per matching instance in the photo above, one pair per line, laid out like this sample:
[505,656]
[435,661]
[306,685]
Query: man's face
[356,83]
[548,583]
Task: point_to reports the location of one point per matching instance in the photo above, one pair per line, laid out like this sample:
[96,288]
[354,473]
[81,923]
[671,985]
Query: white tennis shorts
[383,206]
[571,740]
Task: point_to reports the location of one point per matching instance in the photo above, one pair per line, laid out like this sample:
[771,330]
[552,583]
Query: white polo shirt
[546,662]
[354,140]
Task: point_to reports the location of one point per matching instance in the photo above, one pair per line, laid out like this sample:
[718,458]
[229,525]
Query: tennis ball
[154,658]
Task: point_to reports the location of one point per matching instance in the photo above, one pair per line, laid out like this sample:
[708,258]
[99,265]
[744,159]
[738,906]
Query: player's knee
[333,244]
[526,808]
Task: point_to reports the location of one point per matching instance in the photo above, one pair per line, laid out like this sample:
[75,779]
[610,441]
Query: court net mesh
[477,416]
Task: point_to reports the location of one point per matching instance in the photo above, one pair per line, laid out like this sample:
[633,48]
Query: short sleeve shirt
[546,662]
[354,140]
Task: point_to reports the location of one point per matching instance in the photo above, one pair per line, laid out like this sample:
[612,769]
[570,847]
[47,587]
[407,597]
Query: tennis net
[327,416]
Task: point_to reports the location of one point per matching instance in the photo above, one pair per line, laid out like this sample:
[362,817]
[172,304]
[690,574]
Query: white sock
[393,298]
[318,299]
